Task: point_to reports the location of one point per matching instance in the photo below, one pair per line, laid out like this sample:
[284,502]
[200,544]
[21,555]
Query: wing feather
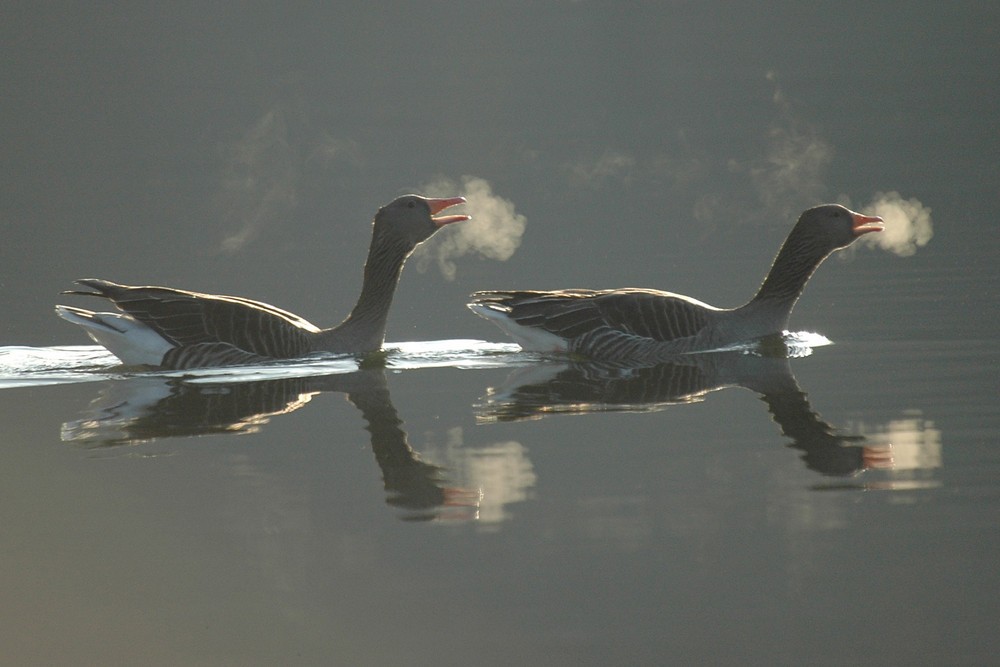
[194,319]
[637,313]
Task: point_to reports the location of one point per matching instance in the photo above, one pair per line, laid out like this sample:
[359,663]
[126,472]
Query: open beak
[863,224]
[438,205]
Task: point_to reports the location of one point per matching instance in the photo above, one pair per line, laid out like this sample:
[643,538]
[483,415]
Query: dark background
[651,144]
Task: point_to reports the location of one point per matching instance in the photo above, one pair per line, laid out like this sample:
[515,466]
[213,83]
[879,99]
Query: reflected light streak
[908,450]
[502,472]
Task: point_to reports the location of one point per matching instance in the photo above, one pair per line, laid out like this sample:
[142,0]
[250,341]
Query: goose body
[647,325]
[173,328]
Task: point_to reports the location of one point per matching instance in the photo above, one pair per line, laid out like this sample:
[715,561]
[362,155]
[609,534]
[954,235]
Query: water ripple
[22,366]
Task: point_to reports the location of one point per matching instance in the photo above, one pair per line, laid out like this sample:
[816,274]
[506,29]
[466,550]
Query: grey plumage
[646,325]
[178,329]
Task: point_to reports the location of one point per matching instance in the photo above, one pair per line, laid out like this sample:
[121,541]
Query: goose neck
[795,263]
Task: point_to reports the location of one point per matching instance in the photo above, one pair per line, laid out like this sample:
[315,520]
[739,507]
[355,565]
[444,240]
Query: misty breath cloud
[792,173]
[907,223]
[591,173]
[494,231]
[259,181]
[263,171]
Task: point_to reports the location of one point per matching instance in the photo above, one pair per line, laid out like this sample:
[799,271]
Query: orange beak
[864,224]
[438,205]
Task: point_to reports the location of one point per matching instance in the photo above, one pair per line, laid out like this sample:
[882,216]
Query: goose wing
[189,319]
[651,314]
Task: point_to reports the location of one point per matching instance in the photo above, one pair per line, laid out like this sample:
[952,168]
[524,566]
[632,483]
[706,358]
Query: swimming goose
[645,325]
[177,329]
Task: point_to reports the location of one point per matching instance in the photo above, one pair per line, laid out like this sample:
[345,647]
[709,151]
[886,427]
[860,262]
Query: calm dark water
[494,508]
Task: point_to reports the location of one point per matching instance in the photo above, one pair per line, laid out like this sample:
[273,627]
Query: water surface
[466,503]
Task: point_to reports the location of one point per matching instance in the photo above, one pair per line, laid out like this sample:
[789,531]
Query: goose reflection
[138,410]
[584,387]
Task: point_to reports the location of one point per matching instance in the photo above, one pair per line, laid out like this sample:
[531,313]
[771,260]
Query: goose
[646,325]
[177,329]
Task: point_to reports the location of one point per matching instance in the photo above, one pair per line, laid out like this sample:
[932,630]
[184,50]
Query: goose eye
[410,204]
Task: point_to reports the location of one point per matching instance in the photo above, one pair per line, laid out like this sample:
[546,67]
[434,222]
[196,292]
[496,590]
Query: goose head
[414,219]
[832,226]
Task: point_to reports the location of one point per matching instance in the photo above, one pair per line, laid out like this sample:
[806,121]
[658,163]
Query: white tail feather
[530,339]
[132,342]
